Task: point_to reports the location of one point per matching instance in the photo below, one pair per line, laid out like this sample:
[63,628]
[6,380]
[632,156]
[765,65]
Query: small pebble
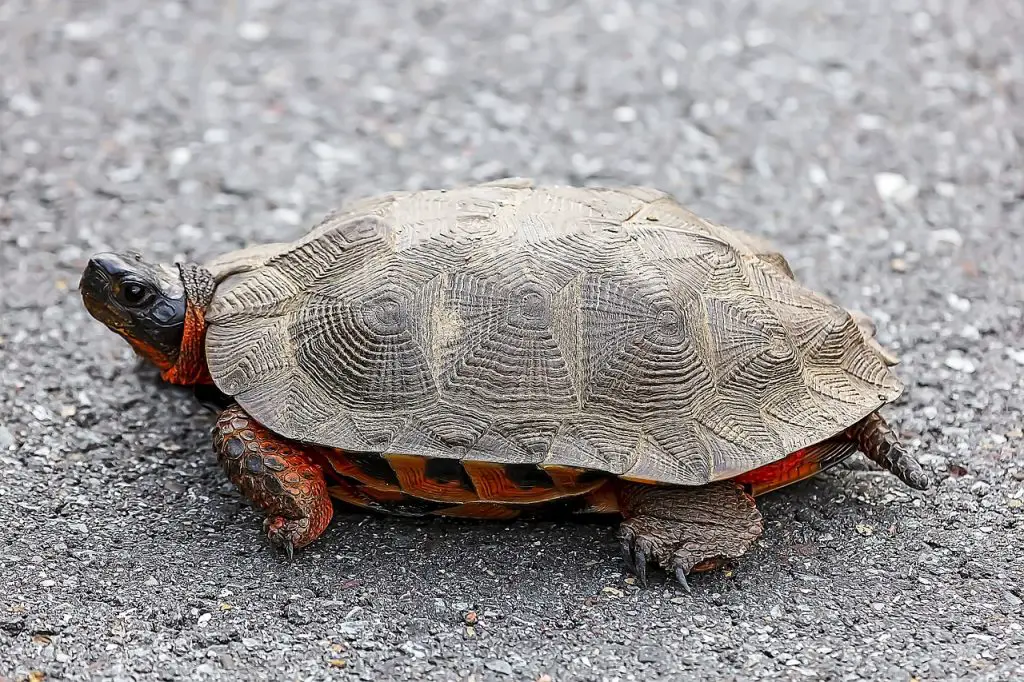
[1016,355]
[960,363]
[957,303]
[669,79]
[382,94]
[970,333]
[870,122]
[81,31]
[253,31]
[894,187]
[180,156]
[25,105]
[980,488]
[215,136]
[948,236]
[287,216]
[625,114]
[817,175]
[151,581]
[499,667]
[6,438]
[190,232]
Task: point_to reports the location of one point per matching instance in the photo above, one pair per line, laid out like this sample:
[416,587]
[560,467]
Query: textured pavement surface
[878,144]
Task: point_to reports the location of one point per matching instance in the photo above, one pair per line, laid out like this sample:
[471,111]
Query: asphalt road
[878,144]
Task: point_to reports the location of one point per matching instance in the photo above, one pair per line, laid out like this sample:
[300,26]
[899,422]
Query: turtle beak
[96,293]
[99,282]
[96,279]
[105,267]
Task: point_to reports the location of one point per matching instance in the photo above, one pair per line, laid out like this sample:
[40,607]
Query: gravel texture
[879,144]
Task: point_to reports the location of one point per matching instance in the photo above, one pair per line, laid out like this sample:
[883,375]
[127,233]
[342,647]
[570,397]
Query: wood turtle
[505,349]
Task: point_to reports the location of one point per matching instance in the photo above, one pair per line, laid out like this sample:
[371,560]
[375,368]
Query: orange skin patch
[603,500]
[190,367]
[463,482]
[795,467]
[341,465]
[494,485]
[412,476]
[363,496]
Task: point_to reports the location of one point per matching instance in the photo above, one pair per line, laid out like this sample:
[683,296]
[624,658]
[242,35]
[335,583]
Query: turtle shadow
[584,549]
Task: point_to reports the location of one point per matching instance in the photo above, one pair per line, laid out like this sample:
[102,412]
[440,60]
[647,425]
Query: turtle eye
[134,294]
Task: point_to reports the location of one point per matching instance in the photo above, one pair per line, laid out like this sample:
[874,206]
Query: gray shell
[603,328]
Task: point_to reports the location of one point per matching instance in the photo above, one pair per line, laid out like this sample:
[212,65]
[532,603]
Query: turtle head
[156,308]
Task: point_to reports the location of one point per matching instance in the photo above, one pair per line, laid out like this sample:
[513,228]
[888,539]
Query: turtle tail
[879,443]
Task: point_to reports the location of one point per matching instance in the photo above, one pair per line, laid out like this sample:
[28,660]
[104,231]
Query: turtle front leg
[686,529]
[276,475]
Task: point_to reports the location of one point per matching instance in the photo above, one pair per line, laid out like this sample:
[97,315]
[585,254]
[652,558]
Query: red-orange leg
[277,476]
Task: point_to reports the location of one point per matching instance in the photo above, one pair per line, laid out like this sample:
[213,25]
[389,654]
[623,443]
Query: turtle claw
[681,577]
[627,554]
[633,554]
[641,566]
[286,534]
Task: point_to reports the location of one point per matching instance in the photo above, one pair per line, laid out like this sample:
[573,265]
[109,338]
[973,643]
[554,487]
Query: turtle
[515,349]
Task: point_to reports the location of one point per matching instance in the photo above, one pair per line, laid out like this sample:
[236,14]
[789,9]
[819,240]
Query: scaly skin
[276,476]
[686,530]
[881,445]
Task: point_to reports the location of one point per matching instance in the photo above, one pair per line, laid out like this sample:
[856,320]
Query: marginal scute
[594,328]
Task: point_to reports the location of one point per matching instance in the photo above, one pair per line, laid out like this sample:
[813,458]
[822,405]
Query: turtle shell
[602,328]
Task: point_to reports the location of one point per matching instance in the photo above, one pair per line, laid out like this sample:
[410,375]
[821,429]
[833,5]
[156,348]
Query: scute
[610,329]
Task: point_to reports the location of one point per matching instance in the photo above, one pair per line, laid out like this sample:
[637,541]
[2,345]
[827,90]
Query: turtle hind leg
[686,529]
[879,443]
[277,476]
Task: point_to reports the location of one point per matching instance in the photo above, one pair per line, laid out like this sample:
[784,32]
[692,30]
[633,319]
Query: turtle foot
[686,530]
[276,475]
